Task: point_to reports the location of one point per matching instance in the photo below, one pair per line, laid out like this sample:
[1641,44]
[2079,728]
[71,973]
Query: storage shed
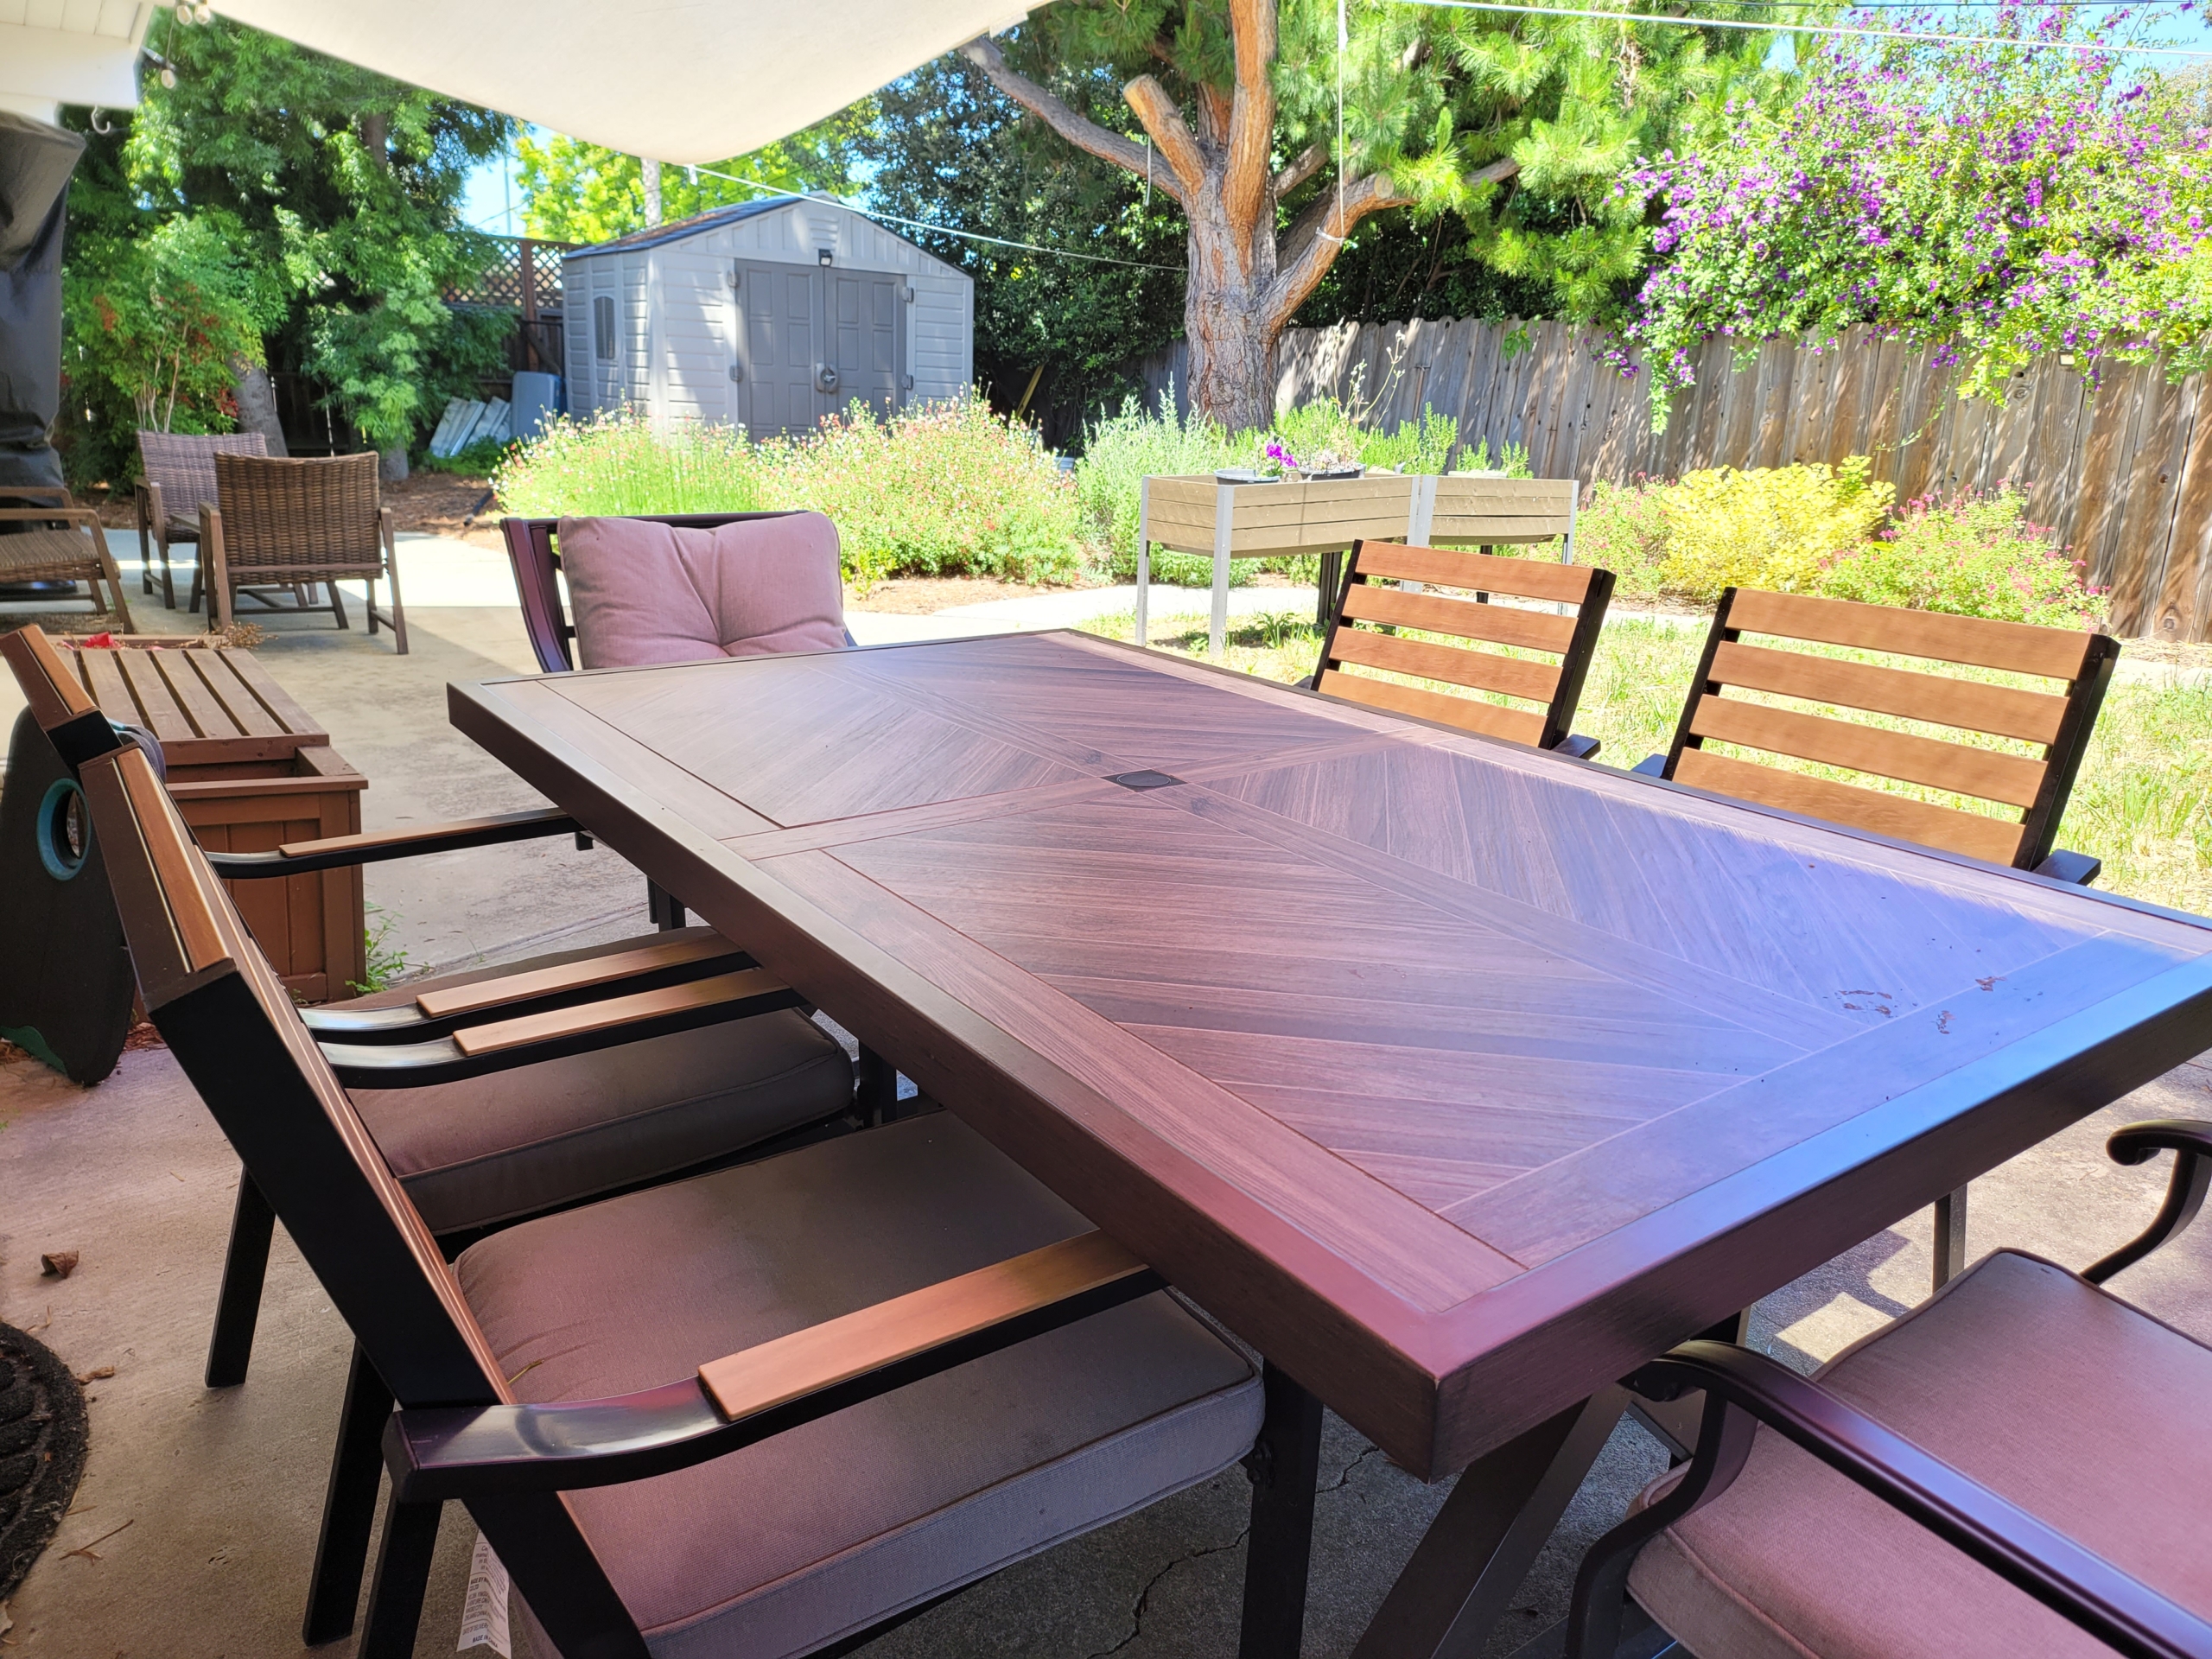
[767,315]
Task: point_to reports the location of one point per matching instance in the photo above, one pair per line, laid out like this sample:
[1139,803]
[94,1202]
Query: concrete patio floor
[192,1533]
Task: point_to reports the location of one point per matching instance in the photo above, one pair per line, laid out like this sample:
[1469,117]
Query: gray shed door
[868,328]
[782,308]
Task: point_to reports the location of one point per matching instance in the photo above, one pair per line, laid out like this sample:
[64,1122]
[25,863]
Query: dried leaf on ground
[59,1264]
[95,1375]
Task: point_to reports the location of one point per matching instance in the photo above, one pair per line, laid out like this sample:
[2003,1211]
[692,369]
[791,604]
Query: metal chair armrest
[553,1034]
[2190,1142]
[2077,868]
[1652,766]
[1740,1385]
[483,1451]
[342,852]
[1575,747]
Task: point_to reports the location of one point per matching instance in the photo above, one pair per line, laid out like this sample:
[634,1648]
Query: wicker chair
[179,469]
[62,542]
[287,523]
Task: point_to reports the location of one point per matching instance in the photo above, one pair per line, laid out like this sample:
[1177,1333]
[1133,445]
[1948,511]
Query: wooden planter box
[1203,515]
[250,770]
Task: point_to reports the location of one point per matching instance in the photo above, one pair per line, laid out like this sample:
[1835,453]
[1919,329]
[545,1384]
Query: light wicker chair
[294,524]
[179,469]
[62,542]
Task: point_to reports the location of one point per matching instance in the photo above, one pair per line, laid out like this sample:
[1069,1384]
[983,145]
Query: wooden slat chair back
[533,548]
[295,523]
[1361,637]
[2032,790]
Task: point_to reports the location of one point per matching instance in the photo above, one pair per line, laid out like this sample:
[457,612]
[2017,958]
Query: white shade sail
[677,80]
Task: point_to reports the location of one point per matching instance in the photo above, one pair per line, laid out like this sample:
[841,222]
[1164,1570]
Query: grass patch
[2142,802]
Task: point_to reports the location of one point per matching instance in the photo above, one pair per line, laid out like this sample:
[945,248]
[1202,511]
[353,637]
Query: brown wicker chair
[288,523]
[62,542]
[179,469]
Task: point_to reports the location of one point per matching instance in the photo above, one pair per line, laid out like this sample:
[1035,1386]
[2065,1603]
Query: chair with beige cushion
[763,1411]
[179,478]
[2017,1467]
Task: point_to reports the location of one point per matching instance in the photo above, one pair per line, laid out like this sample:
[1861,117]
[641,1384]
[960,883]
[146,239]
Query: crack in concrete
[1144,1596]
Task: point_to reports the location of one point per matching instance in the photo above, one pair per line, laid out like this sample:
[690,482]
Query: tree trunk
[1232,350]
[257,401]
[648,178]
[395,463]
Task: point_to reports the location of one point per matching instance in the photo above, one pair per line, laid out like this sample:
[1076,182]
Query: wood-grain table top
[204,705]
[1459,1078]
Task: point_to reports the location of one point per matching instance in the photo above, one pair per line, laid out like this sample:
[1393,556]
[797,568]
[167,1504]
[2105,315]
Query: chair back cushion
[650,593]
[183,464]
[319,514]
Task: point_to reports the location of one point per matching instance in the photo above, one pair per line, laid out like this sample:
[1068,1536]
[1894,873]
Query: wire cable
[925,225]
[2098,48]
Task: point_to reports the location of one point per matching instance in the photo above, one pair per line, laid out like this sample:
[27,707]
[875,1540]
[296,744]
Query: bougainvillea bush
[1973,556]
[1990,202]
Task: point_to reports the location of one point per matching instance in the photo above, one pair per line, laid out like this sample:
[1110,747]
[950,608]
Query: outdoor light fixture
[822,256]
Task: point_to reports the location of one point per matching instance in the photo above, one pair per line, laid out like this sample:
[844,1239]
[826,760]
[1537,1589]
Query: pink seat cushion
[2052,1393]
[645,593]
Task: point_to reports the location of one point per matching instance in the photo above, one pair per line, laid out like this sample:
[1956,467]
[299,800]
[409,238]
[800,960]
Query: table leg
[1950,1237]
[1225,521]
[1144,557]
[1285,1465]
[1478,1550]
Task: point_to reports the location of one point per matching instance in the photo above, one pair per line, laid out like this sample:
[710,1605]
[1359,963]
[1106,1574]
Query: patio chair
[707,1416]
[636,580]
[62,542]
[1556,687]
[289,525]
[179,480]
[2017,1467]
[2037,788]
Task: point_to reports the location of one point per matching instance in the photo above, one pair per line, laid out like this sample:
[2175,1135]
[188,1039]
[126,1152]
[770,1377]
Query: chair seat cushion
[2055,1395]
[828,1529]
[646,593]
[489,1148]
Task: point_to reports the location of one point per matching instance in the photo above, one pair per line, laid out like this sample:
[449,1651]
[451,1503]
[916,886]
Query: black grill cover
[35,163]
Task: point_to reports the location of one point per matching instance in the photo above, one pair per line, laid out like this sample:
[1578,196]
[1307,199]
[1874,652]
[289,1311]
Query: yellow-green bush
[1772,527]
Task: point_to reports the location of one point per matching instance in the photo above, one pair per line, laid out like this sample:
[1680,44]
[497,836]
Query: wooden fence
[2123,473]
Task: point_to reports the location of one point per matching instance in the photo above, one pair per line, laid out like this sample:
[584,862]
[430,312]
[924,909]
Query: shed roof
[713,219]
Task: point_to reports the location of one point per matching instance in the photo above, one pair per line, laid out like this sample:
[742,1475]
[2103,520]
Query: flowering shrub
[1774,527]
[1972,555]
[618,464]
[1620,528]
[1990,202]
[946,489]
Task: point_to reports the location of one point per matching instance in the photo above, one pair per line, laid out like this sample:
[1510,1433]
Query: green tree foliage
[578,192]
[1052,333]
[334,190]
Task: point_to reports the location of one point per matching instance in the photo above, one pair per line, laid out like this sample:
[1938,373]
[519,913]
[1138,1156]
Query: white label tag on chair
[484,1610]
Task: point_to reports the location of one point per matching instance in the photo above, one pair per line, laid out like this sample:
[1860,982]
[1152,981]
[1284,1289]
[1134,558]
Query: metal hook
[99,125]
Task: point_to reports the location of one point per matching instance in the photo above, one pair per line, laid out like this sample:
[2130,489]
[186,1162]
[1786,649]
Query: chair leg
[410,1538]
[1285,1465]
[169,582]
[145,559]
[878,1094]
[1950,1237]
[338,610]
[237,1306]
[398,618]
[666,908]
[349,1506]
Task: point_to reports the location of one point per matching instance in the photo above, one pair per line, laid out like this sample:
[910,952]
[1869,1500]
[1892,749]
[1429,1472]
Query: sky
[493,203]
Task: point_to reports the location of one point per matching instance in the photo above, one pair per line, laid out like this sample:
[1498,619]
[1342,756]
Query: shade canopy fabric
[686,80]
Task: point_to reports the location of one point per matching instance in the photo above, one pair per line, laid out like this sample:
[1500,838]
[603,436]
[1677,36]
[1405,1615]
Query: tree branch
[1310,245]
[1186,163]
[1251,122]
[1083,133]
[1304,166]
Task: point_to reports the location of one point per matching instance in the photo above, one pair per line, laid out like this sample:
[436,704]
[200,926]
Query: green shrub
[1774,527]
[947,489]
[1422,446]
[1620,528]
[478,461]
[1972,555]
[619,464]
[1119,452]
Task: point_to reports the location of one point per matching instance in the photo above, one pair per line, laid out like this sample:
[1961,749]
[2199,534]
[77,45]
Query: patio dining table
[1457,1078]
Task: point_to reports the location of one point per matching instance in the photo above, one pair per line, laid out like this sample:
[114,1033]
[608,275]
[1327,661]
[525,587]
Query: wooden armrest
[2079,1585]
[789,1368]
[78,516]
[692,953]
[2190,1142]
[340,852]
[500,1046]
[49,684]
[465,1452]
